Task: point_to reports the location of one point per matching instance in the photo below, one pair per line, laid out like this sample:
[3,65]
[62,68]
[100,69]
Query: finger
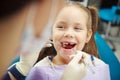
[48,45]
[82,59]
[77,57]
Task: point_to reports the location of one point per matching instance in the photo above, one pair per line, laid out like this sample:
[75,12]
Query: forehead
[73,9]
[72,13]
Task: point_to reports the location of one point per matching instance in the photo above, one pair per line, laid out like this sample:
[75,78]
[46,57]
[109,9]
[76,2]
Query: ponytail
[91,47]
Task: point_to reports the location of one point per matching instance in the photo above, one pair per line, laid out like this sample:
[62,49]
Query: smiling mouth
[68,45]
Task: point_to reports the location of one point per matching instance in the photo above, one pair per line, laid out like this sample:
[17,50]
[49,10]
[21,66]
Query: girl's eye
[77,28]
[60,27]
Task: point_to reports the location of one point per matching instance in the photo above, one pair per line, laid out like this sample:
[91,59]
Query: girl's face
[70,32]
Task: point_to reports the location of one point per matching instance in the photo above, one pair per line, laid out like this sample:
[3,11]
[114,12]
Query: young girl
[72,32]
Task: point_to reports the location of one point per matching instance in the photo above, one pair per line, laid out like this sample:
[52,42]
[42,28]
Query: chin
[67,59]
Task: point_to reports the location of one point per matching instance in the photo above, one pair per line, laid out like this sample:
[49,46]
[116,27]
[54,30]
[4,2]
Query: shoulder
[101,64]
[42,65]
[43,62]
[97,61]
[37,73]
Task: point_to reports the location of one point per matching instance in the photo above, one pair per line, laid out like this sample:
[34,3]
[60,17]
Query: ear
[89,34]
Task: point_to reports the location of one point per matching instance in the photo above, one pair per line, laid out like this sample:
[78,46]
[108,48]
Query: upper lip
[65,42]
[68,44]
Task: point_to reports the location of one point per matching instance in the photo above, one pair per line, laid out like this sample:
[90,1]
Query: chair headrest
[118,11]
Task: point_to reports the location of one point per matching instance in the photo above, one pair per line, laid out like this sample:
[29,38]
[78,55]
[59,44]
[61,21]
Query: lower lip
[68,51]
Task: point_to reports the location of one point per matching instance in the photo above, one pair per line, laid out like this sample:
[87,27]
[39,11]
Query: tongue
[68,47]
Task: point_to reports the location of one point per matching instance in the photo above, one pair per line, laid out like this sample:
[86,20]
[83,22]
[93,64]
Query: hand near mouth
[76,69]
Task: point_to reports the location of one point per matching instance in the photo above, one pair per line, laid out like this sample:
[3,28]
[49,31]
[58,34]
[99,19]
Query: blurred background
[108,34]
[109,22]
[107,37]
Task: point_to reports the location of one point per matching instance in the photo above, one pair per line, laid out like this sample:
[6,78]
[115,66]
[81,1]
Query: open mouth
[68,45]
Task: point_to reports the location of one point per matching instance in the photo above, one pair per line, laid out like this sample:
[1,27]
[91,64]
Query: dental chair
[111,18]
[107,55]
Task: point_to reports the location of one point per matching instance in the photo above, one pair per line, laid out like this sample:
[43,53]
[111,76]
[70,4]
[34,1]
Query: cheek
[81,39]
[56,35]
[56,39]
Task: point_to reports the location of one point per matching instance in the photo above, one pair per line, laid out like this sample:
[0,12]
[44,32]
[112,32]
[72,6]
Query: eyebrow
[65,22]
[77,23]
[62,21]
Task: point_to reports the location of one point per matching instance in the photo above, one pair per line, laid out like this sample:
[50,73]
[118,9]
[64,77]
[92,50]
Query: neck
[59,61]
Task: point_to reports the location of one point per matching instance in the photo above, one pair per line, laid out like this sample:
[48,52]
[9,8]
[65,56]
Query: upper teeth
[65,44]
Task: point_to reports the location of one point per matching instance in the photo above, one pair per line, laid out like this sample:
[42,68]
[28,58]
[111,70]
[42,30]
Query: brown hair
[47,51]
[90,47]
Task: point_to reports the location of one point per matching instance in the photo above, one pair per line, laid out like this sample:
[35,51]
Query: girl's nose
[69,33]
